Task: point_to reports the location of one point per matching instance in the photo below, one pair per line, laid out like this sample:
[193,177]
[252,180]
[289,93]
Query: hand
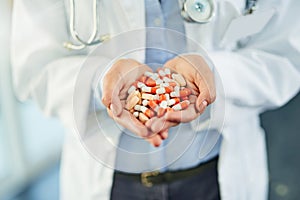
[115,86]
[200,79]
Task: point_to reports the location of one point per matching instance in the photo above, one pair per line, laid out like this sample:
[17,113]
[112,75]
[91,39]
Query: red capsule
[185,92]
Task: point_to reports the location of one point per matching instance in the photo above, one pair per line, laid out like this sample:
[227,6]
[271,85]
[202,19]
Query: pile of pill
[154,94]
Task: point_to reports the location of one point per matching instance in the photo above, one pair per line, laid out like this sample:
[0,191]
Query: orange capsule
[150,82]
[182,105]
[135,84]
[169,89]
[149,113]
[173,101]
[185,92]
[152,104]
[160,112]
[151,90]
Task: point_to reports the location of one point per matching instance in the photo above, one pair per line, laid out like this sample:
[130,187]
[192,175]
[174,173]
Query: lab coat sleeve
[264,74]
[42,69]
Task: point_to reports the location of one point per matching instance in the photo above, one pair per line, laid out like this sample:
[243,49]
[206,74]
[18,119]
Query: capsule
[140,85]
[150,82]
[168,72]
[148,74]
[151,90]
[149,113]
[164,90]
[161,72]
[184,98]
[147,96]
[132,102]
[145,102]
[153,105]
[131,89]
[173,101]
[185,92]
[143,79]
[163,104]
[137,107]
[159,81]
[136,114]
[182,105]
[143,118]
[175,94]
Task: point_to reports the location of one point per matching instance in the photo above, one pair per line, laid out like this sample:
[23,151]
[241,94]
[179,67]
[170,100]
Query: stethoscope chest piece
[198,11]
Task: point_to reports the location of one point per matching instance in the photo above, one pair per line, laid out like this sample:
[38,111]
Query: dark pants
[200,186]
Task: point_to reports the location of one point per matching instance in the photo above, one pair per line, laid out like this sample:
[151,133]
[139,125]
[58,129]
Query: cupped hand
[199,79]
[115,86]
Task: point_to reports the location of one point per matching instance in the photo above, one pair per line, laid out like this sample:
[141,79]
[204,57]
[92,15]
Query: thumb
[116,106]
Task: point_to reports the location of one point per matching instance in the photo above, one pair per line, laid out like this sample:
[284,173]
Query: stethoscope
[194,11]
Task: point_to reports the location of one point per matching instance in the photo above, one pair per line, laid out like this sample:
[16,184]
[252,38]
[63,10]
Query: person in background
[256,57]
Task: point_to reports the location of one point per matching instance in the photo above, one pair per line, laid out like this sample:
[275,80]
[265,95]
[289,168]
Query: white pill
[131,89]
[175,94]
[146,89]
[145,102]
[163,104]
[167,71]
[136,114]
[176,88]
[140,85]
[147,96]
[143,109]
[155,76]
[161,73]
[148,74]
[167,96]
[164,85]
[167,80]
[179,78]
[161,90]
[137,107]
[159,81]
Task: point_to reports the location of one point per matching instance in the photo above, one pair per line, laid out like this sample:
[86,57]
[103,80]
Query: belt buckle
[144,178]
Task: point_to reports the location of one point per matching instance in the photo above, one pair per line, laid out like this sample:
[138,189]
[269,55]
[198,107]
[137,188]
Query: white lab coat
[263,75]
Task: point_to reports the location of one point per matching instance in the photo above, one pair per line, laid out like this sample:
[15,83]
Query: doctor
[257,59]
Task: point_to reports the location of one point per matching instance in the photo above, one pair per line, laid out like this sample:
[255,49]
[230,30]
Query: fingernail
[205,103]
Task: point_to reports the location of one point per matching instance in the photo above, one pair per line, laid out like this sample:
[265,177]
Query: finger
[156,125]
[116,106]
[164,134]
[155,140]
[111,88]
[127,120]
[184,116]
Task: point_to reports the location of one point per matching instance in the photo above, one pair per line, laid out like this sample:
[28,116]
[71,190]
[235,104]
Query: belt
[149,179]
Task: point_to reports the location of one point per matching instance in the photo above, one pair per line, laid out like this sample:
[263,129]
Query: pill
[167,97]
[133,93]
[137,107]
[160,112]
[143,79]
[136,114]
[179,78]
[145,102]
[173,101]
[164,90]
[159,81]
[161,72]
[185,92]
[148,74]
[168,72]
[177,88]
[173,83]
[135,84]
[131,89]
[167,80]
[149,113]
[140,98]
[163,104]
[153,105]
[150,82]
[149,89]
[155,76]
[175,94]
[140,85]
[182,105]
[132,110]
[147,96]
[132,102]
[162,97]
[143,118]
